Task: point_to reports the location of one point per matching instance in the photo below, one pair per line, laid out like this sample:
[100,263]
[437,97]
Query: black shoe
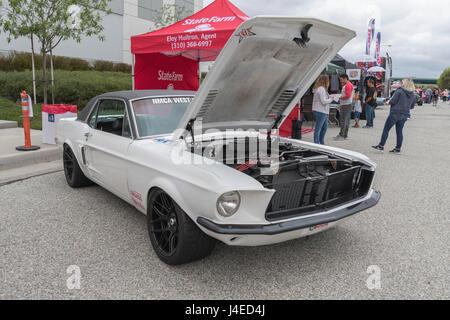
[395,150]
[378,147]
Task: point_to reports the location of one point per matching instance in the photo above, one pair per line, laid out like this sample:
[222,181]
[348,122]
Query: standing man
[345,107]
[370,103]
[428,96]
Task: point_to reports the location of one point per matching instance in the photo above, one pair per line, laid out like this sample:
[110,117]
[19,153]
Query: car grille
[317,193]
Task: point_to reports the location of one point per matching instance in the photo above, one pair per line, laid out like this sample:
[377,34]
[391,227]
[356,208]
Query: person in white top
[357,109]
[321,108]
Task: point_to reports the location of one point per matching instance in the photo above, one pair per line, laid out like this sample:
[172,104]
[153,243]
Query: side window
[93,117]
[126,127]
[111,116]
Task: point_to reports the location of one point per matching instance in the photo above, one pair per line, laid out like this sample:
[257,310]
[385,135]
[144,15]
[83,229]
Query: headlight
[228,203]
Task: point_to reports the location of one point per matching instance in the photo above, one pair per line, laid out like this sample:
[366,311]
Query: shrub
[21,61]
[13,112]
[72,64]
[77,64]
[100,65]
[122,67]
[71,87]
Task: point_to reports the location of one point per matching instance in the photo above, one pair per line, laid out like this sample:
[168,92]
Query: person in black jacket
[401,103]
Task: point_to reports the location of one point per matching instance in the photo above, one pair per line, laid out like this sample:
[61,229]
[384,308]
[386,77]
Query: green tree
[169,14]
[444,79]
[53,21]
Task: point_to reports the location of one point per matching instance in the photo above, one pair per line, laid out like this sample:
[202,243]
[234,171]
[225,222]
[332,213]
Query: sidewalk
[10,158]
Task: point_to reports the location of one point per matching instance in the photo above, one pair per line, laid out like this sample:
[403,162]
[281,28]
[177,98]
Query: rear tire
[74,175]
[175,238]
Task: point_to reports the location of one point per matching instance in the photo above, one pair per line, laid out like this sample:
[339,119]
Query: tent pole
[199,73]
[132,72]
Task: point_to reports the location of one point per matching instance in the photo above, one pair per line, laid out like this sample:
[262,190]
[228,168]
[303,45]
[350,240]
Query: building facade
[128,18]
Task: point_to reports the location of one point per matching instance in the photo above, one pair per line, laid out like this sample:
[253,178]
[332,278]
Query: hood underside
[264,69]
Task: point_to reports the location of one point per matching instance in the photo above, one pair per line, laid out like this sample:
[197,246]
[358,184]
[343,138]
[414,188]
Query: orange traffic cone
[26,124]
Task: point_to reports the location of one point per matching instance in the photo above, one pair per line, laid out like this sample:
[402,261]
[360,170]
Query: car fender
[189,182]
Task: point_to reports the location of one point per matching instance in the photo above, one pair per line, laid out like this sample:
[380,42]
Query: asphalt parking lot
[45,227]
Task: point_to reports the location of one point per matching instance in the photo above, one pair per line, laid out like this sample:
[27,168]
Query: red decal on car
[136,195]
[139,205]
[318,226]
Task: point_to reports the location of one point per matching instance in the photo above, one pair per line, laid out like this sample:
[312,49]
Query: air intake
[203,112]
[283,101]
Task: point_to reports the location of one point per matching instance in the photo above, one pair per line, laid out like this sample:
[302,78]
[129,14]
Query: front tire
[175,238]
[74,175]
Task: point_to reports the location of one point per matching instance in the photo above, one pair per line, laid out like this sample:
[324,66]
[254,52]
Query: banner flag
[377,49]
[370,35]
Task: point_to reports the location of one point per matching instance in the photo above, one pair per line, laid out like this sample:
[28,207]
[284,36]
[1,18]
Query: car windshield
[159,115]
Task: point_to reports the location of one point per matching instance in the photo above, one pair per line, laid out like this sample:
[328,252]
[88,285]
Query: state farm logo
[200,28]
[208,20]
[169,76]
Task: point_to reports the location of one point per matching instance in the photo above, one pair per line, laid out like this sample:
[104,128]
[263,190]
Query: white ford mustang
[208,165]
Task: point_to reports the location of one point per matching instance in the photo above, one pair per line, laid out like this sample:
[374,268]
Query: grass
[12,111]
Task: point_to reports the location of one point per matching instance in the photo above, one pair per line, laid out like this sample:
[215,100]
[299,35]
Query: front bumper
[292,225]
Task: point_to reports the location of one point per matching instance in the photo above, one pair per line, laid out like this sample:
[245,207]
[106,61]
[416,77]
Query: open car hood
[263,70]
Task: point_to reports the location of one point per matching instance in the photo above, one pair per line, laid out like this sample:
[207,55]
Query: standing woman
[321,108]
[435,97]
[401,102]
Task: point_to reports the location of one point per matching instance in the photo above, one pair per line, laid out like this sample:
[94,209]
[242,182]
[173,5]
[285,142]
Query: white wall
[118,29]
[132,25]
[89,48]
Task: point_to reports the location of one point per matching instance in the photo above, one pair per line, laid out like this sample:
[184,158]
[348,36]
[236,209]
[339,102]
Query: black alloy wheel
[175,238]
[68,159]
[74,175]
[163,223]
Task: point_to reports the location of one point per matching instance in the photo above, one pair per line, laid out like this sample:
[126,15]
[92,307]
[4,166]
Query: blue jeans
[369,115]
[321,127]
[398,120]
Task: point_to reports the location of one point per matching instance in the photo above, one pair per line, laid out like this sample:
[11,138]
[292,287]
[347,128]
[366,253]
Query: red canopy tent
[169,58]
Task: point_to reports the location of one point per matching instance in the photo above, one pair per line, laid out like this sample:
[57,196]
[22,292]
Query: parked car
[206,166]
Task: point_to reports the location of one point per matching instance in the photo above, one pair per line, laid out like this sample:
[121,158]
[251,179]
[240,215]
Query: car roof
[129,95]
[134,94]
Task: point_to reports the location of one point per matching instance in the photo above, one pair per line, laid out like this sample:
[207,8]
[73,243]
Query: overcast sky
[418,30]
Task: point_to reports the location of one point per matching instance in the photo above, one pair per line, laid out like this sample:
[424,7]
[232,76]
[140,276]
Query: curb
[30,157]
[4,124]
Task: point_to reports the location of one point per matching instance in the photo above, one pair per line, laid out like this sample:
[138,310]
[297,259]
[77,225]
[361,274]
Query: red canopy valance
[198,37]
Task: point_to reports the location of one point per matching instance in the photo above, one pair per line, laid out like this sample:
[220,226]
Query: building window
[188,6]
[116,6]
[147,9]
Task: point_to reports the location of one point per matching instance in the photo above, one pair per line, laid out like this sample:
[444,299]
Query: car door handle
[87,135]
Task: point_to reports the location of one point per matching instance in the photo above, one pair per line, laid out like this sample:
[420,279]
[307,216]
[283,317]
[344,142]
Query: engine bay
[304,180]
